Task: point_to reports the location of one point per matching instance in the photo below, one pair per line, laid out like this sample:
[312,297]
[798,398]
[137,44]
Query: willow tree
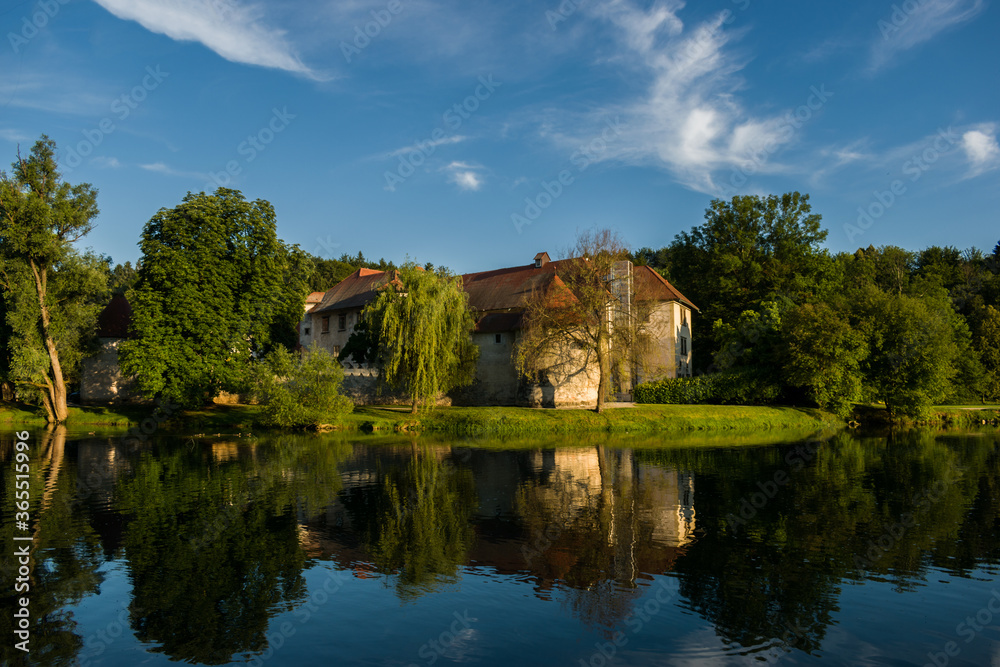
[52,293]
[587,315]
[422,324]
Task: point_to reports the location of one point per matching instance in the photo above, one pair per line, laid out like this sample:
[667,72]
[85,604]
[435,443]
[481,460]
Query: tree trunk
[413,410]
[56,410]
[602,369]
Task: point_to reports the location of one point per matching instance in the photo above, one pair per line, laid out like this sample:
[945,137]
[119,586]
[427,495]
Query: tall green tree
[822,353]
[749,250]
[216,289]
[912,349]
[52,293]
[423,323]
[987,342]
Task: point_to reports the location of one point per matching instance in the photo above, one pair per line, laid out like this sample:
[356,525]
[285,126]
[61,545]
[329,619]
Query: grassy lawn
[230,419]
[639,419]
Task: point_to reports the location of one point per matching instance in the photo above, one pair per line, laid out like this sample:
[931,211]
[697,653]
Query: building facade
[498,299]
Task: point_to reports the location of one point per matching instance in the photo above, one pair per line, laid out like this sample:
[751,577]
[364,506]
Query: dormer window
[541,259]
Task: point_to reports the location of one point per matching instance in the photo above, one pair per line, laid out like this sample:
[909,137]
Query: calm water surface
[317,550]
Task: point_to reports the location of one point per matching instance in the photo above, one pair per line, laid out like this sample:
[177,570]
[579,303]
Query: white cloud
[913,23]
[427,146]
[14,136]
[235,32]
[981,149]
[106,162]
[464,175]
[161,168]
[688,119]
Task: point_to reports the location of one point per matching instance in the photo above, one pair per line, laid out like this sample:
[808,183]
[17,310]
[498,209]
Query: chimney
[541,259]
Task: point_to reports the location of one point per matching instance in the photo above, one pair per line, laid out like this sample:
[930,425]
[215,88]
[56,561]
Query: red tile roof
[354,291]
[315,297]
[651,283]
[507,289]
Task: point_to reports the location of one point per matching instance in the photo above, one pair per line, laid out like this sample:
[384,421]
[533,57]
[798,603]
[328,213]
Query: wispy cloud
[981,149]
[161,168]
[907,25]
[688,119]
[425,146]
[103,162]
[466,176]
[13,136]
[235,32]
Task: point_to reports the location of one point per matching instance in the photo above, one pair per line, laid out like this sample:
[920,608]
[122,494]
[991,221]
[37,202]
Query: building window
[684,346]
[498,338]
[307,330]
[325,324]
[342,322]
[336,350]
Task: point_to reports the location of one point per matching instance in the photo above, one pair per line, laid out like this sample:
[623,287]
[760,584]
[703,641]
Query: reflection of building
[575,515]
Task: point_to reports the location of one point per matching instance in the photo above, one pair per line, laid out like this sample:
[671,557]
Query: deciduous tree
[52,293]
[216,289]
[576,319]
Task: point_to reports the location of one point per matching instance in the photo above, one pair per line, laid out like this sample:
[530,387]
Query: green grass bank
[462,420]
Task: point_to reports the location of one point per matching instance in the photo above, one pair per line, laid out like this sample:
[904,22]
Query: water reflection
[217,537]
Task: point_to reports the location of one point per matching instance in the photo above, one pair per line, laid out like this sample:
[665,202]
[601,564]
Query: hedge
[728,388]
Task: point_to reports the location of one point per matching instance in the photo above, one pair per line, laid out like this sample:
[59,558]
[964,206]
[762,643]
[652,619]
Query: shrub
[301,389]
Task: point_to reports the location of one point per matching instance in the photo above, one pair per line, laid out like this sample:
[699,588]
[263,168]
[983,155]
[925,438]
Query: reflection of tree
[841,516]
[414,521]
[213,549]
[66,555]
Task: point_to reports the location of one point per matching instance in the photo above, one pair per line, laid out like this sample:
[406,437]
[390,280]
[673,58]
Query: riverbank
[458,420]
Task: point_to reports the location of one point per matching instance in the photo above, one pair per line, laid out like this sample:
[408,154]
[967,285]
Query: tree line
[799,324]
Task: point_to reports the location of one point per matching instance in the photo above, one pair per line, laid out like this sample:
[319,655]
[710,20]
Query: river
[843,549]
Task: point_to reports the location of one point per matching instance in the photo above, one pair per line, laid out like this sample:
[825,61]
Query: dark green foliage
[216,288]
[822,353]
[749,250]
[912,350]
[302,389]
[734,387]
[361,345]
[987,342]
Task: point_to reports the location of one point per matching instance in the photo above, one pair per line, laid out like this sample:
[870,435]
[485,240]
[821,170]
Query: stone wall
[101,378]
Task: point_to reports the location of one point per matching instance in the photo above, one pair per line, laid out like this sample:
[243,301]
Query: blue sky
[474,134]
